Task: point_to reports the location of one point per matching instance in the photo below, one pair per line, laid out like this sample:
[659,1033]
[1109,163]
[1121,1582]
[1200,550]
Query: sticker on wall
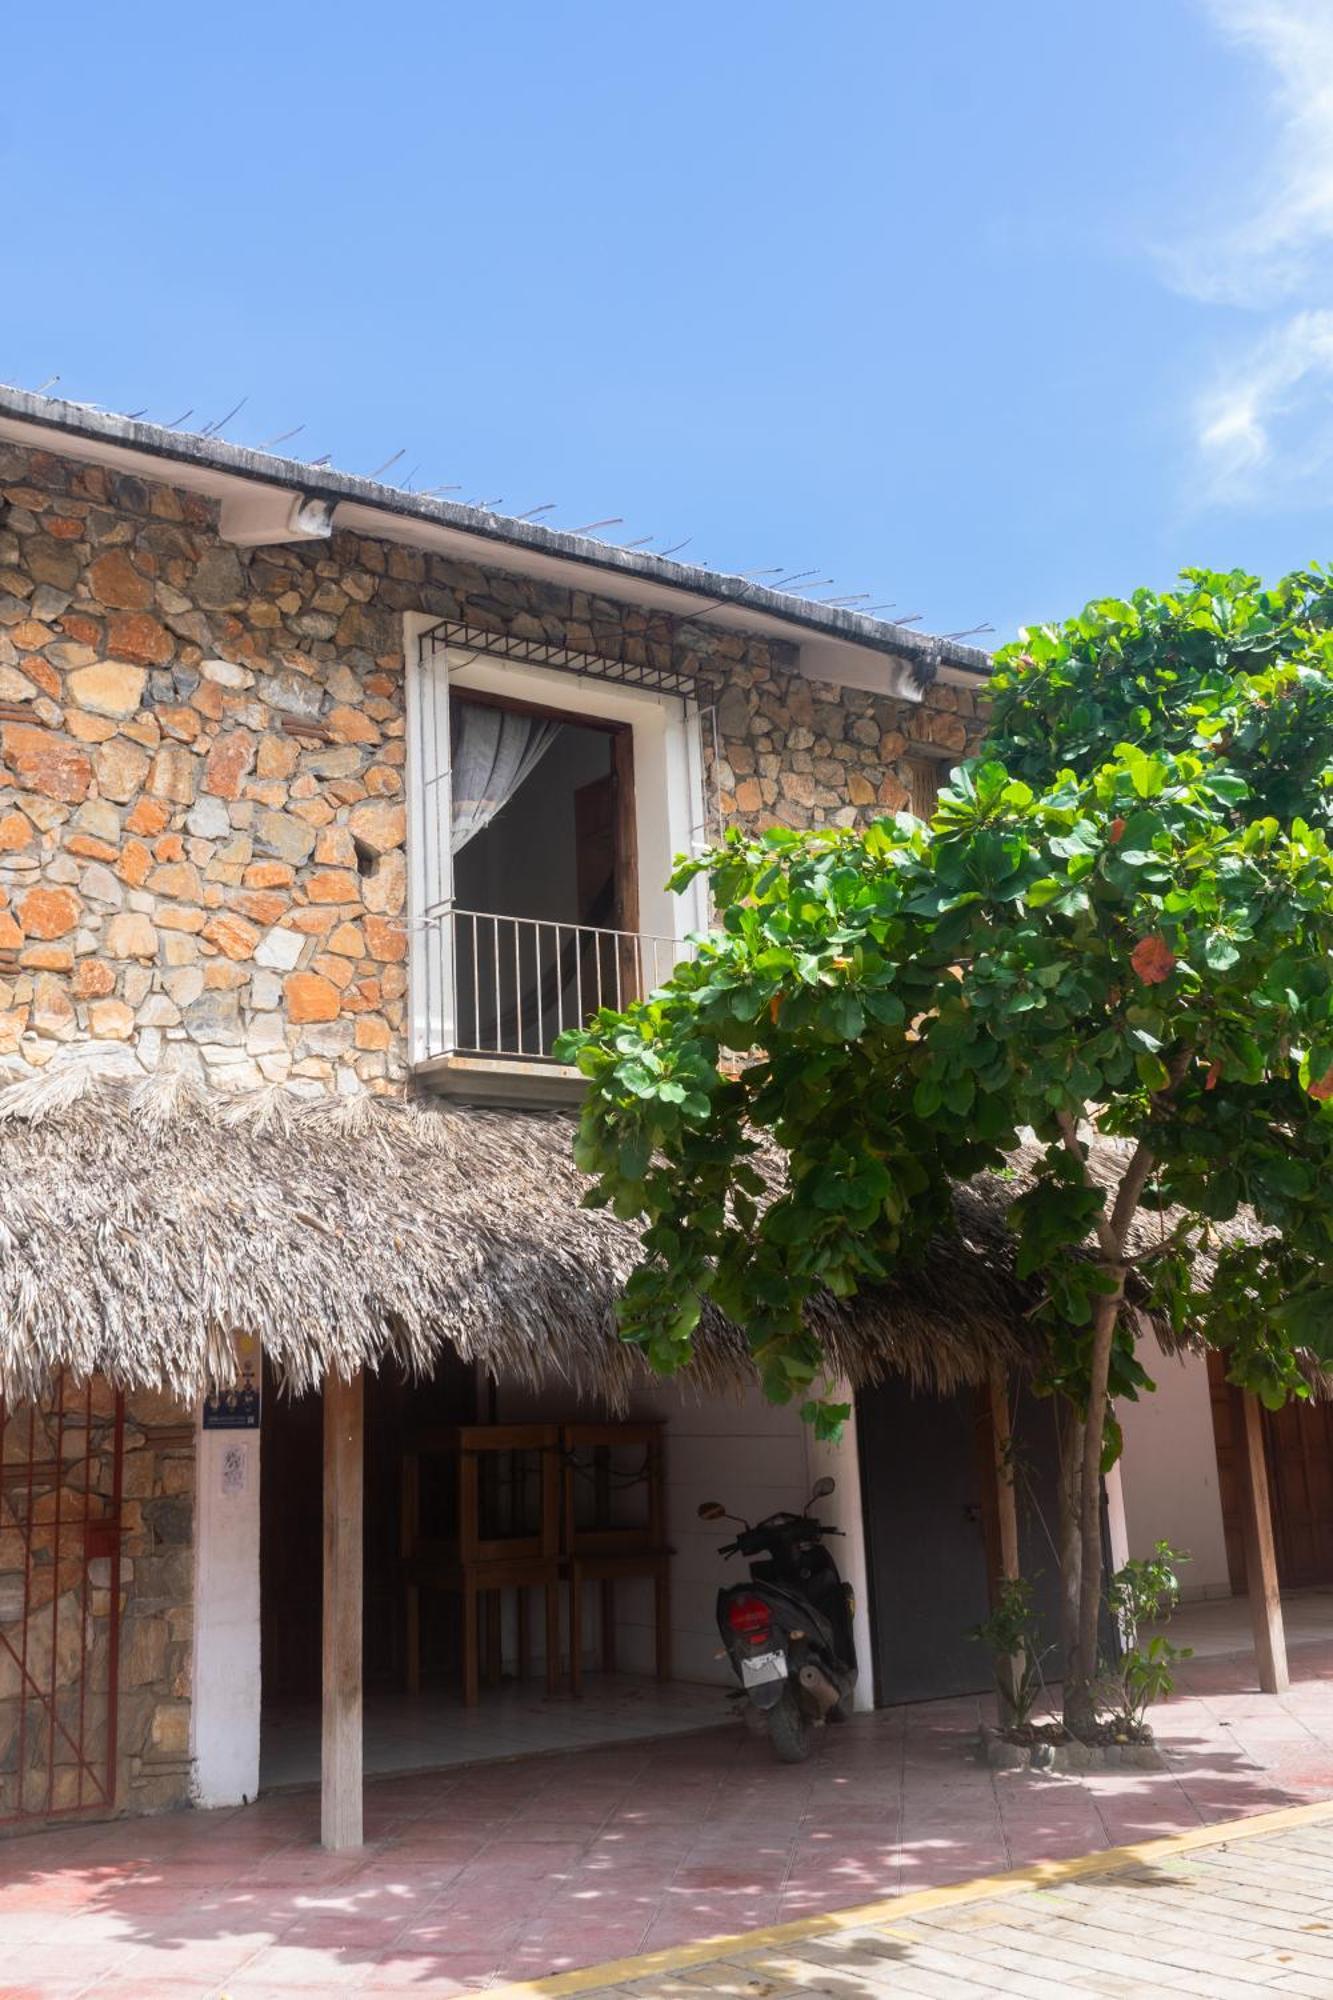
[235,1460]
[237,1408]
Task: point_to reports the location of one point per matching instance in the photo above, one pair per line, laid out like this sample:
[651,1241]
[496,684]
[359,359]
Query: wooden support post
[1270,1643]
[340,1764]
[1006,1507]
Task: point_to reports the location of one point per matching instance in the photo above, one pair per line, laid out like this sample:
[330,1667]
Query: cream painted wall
[224,1714]
[1169,1473]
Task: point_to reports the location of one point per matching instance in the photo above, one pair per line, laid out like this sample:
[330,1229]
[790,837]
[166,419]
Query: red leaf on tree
[1153,959]
[1213,1077]
[1117,830]
[1324,1087]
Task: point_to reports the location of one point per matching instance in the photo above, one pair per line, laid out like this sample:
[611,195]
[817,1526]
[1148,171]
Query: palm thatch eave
[144,1222]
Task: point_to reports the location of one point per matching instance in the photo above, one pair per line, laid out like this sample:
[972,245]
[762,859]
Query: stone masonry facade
[792,752]
[203,865]
[202,789]
[56,1601]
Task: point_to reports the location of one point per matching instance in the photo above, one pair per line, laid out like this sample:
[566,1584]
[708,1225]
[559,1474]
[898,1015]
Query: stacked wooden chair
[493,1508]
[493,1525]
[614,1530]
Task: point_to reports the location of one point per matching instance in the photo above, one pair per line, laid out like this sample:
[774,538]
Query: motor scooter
[788,1631]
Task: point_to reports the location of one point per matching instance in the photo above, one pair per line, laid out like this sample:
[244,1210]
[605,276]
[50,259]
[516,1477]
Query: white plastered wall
[845,1509]
[755,1457]
[1168,1473]
[224,1714]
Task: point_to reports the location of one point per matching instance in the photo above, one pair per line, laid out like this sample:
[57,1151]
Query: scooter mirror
[712,1510]
[822,1489]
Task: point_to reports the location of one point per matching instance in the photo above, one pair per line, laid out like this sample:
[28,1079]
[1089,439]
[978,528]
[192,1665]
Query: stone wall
[66,1608]
[202,831]
[202,807]
[794,752]
[203,862]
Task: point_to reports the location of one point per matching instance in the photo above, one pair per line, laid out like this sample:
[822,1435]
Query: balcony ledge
[503,1080]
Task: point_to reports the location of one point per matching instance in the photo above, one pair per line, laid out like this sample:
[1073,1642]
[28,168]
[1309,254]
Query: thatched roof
[141,1223]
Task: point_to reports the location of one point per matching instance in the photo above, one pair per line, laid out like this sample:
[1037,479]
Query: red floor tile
[511,1871]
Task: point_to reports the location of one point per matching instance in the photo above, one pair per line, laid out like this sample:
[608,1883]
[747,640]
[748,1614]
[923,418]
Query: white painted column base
[843,1509]
[224,1714]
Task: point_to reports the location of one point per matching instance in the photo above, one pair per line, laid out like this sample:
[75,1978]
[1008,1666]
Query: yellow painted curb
[894,1909]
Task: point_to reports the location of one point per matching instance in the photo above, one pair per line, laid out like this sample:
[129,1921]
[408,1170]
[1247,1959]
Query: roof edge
[230,463]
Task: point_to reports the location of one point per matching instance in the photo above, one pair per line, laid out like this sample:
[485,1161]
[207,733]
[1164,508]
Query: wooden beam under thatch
[142,1223]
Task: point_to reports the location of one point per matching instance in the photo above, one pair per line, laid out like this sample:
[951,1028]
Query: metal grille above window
[648,677]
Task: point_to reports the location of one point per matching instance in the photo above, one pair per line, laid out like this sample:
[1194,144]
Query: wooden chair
[600,1549]
[485,1555]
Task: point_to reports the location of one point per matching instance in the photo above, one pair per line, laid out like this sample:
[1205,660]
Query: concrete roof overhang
[266,500]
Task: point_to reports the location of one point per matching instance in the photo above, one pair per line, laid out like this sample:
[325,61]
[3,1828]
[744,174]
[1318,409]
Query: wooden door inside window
[924,776]
[597,861]
[607,879]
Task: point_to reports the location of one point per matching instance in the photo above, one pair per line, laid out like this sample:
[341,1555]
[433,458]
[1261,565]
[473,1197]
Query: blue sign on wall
[238,1408]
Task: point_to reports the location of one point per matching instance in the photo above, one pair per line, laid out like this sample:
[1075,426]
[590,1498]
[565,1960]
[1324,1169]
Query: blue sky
[979,309]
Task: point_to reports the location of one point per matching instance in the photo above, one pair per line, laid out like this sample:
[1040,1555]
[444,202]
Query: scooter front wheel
[789,1730]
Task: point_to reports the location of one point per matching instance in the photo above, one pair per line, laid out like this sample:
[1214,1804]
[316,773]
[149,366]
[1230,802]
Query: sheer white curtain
[493,751]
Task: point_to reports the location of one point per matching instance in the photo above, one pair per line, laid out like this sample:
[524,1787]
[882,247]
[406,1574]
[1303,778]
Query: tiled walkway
[433,1730]
[512,1870]
[1231,1922]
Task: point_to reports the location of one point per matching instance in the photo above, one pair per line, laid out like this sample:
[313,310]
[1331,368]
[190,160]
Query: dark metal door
[924,1461]
[61,1466]
[921,1473]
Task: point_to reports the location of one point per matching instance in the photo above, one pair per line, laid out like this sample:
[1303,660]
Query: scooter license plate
[761,1667]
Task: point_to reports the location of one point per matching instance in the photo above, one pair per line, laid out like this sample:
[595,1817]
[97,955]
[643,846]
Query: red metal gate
[61,1463]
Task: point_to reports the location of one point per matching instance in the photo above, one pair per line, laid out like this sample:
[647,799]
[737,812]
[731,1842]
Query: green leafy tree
[1119,922]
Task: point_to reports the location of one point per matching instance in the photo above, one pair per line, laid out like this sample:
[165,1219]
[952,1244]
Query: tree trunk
[1081,1523]
[1070,1533]
[1083,1607]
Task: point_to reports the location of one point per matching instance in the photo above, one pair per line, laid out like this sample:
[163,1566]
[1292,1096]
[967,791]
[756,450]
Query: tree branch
[1130,1192]
[1110,1246]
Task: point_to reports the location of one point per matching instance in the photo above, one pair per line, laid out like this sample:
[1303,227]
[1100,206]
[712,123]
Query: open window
[548,804]
[545,884]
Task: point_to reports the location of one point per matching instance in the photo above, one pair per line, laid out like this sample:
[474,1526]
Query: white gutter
[266,500]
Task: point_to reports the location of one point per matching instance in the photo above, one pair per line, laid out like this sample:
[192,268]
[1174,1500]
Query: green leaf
[1307,1319]
[844,1016]
[927,1097]
[884,1007]
[1045,891]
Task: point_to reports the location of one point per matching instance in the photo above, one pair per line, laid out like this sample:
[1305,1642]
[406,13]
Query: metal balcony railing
[508,986]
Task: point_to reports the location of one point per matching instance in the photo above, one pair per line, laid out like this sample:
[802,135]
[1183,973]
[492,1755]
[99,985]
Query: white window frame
[668,792]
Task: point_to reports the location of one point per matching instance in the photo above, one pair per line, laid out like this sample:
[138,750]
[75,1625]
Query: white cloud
[1264,432]
[1285,223]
